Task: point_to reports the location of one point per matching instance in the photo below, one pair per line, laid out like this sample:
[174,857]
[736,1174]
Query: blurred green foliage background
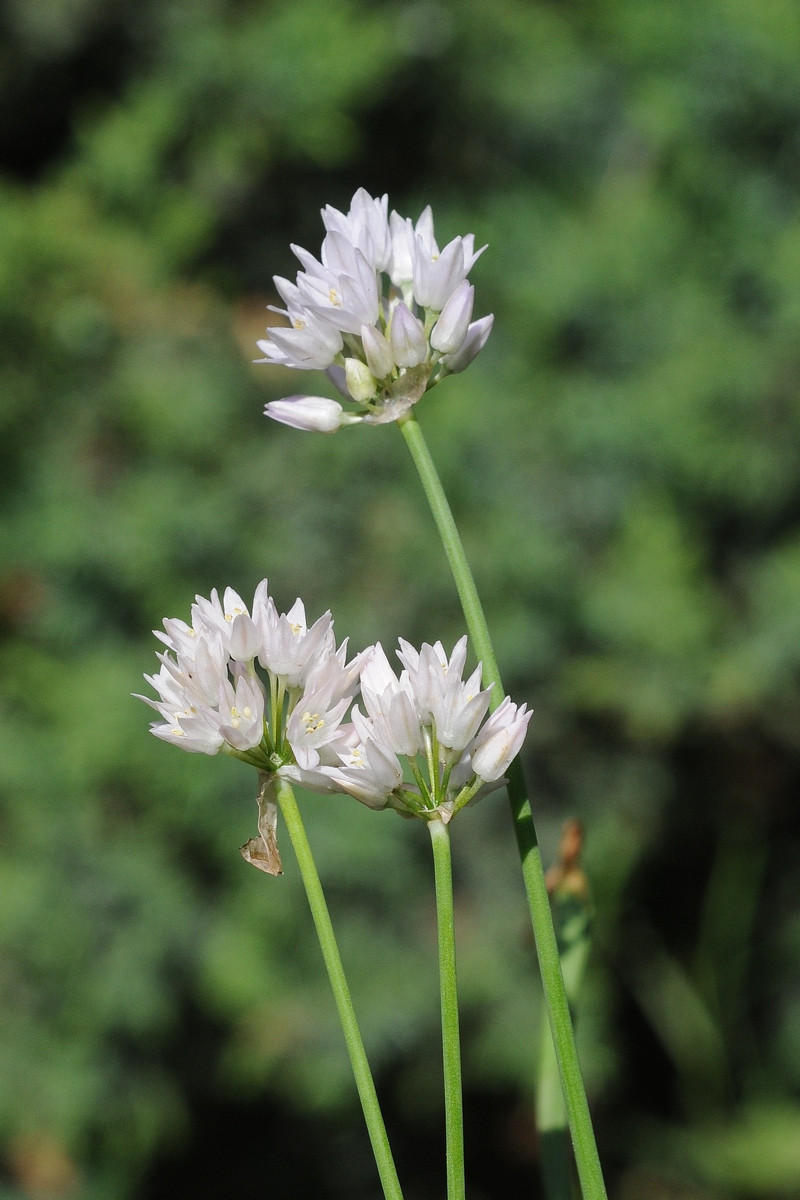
[624,462]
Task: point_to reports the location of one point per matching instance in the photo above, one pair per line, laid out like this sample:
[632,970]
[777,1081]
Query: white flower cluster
[382,351]
[429,711]
[212,698]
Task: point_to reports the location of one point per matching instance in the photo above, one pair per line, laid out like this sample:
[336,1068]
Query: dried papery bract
[262,851]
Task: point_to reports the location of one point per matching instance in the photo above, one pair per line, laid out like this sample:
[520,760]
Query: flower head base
[390,339]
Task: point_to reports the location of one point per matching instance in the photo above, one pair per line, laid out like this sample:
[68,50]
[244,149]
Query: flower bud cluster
[212,698]
[383,311]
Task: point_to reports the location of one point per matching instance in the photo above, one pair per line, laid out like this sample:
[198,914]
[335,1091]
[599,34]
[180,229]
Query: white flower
[343,289]
[378,352]
[314,413]
[288,647]
[365,226]
[391,704]
[450,330]
[190,733]
[240,717]
[316,779]
[218,614]
[182,708]
[454,708]
[230,620]
[370,771]
[333,672]
[459,709]
[500,740]
[310,344]
[361,383]
[436,276]
[314,722]
[428,670]
[404,236]
[200,656]
[244,641]
[477,336]
[407,337]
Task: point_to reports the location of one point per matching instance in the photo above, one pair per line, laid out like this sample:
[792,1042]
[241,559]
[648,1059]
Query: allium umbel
[384,311]
[293,723]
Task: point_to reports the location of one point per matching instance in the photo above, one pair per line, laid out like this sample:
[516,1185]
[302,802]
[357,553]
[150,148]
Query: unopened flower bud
[407,336]
[450,330]
[244,638]
[378,351]
[316,413]
[473,343]
[500,740]
[339,380]
[361,383]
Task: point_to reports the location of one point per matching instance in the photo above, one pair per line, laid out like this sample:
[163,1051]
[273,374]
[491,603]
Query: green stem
[341,992]
[572,918]
[451,1044]
[580,1122]
[421,784]
[273,707]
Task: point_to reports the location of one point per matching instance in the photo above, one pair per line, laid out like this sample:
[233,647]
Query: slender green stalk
[341,992]
[572,918]
[451,1043]
[580,1122]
